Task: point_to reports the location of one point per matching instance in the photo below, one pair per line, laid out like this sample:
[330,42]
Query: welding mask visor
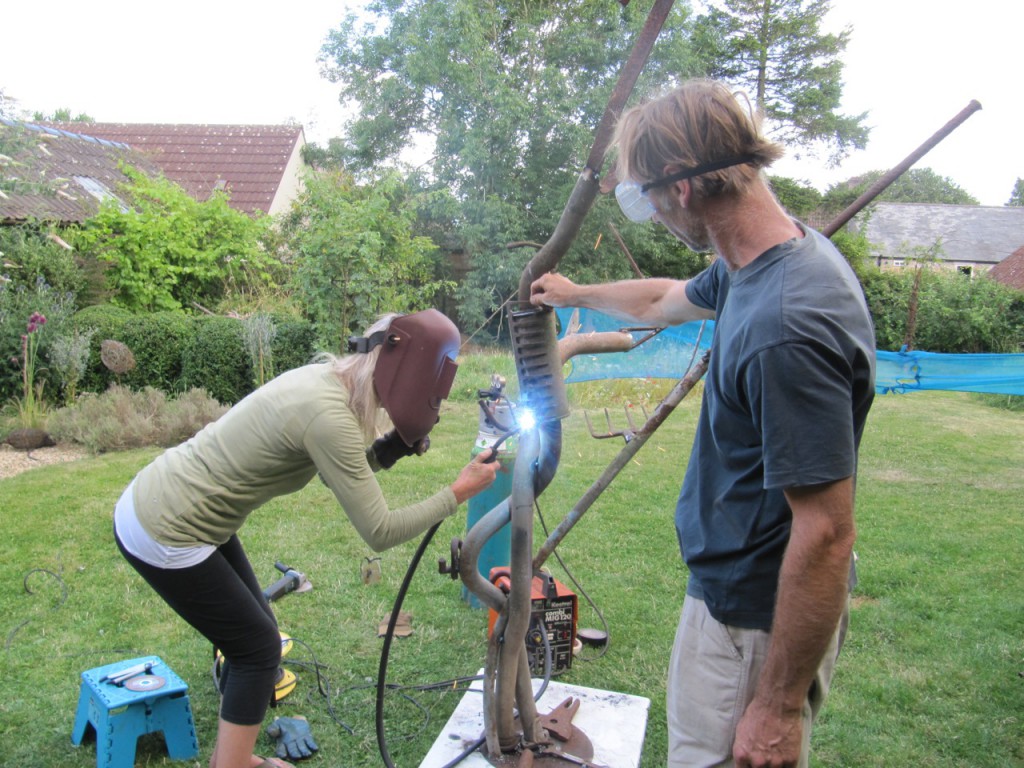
[415,371]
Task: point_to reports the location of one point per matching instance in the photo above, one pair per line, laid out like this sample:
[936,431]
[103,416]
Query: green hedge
[175,352]
[294,345]
[215,359]
[109,323]
[157,340]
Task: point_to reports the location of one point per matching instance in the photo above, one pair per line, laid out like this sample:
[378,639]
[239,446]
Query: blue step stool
[120,715]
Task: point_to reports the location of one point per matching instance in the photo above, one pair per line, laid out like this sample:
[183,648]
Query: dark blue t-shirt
[788,388]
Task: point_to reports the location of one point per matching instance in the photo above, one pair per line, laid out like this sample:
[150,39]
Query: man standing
[765,515]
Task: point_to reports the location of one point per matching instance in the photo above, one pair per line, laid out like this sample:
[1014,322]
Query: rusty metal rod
[585,192]
[879,186]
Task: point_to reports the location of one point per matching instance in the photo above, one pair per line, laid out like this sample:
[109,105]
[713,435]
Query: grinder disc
[145,683]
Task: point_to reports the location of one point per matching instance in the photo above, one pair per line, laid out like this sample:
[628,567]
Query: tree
[1017,196]
[917,185]
[62,115]
[168,250]
[776,51]
[355,254]
[501,99]
[797,197]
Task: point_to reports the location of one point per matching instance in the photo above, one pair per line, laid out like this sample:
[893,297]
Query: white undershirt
[139,543]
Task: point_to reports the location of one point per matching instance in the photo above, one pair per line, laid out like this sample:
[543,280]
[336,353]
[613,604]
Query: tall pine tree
[776,51]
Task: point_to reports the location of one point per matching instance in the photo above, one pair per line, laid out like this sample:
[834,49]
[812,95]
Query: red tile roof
[248,160]
[1010,271]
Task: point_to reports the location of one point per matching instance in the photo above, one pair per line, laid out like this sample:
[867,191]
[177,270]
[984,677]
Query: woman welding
[177,521]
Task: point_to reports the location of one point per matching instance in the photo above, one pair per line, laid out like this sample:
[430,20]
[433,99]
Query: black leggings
[222,599]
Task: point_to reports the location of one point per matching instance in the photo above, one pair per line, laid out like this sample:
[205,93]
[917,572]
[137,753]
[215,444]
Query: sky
[913,65]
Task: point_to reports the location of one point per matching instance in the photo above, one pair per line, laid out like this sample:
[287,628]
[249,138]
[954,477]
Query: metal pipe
[521,578]
[879,186]
[477,536]
[493,521]
[533,473]
[494,645]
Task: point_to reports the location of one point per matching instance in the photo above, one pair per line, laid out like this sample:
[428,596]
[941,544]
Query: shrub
[187,414]
[69,355]
[215,359]
[294,345]
[107,322]
[29,253]
[157,341]
[953,313]
[120,419]
[169,250]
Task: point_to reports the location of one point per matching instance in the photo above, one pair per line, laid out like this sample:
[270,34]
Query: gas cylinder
[496,419]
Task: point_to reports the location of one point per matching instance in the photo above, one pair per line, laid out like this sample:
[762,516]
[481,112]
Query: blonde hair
[355,371]
[699,122]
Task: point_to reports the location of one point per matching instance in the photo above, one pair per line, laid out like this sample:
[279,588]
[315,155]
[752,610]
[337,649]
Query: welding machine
[552,605]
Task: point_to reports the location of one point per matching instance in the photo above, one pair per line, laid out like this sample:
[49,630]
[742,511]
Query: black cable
[389,636]
[323,684]
[28,589]
[579,589]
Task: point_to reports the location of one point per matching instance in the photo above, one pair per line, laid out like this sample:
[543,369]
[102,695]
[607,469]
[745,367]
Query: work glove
[294,739]
[390,448]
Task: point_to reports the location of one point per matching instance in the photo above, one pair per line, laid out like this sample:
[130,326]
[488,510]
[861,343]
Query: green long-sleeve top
[270,444]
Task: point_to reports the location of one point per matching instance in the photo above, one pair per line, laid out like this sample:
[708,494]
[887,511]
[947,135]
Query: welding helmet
[415,369]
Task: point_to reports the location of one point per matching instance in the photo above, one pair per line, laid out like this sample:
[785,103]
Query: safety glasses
[632,195]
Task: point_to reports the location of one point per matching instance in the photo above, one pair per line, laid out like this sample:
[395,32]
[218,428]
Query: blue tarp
[668,355]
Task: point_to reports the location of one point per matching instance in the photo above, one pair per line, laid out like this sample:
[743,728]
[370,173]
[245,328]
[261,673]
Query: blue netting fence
[668,354]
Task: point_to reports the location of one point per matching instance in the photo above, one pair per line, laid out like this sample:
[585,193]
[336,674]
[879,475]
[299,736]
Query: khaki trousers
[712,676]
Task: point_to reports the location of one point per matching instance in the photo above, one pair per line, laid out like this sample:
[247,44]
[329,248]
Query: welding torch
[497,444]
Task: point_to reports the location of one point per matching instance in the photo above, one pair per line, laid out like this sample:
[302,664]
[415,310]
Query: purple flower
[36,321]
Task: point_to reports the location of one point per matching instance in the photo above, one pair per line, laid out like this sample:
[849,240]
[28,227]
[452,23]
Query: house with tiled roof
[259,166]
[1010,271]
[49,174]
[970,238]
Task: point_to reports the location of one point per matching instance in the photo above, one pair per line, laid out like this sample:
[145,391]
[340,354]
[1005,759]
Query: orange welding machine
[553,608]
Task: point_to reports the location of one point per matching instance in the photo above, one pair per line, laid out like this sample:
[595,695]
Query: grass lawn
[931,674]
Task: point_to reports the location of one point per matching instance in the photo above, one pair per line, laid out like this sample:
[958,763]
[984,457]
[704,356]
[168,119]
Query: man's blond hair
[701,121]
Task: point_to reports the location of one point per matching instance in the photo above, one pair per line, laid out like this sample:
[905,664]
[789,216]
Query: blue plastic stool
[120,715]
